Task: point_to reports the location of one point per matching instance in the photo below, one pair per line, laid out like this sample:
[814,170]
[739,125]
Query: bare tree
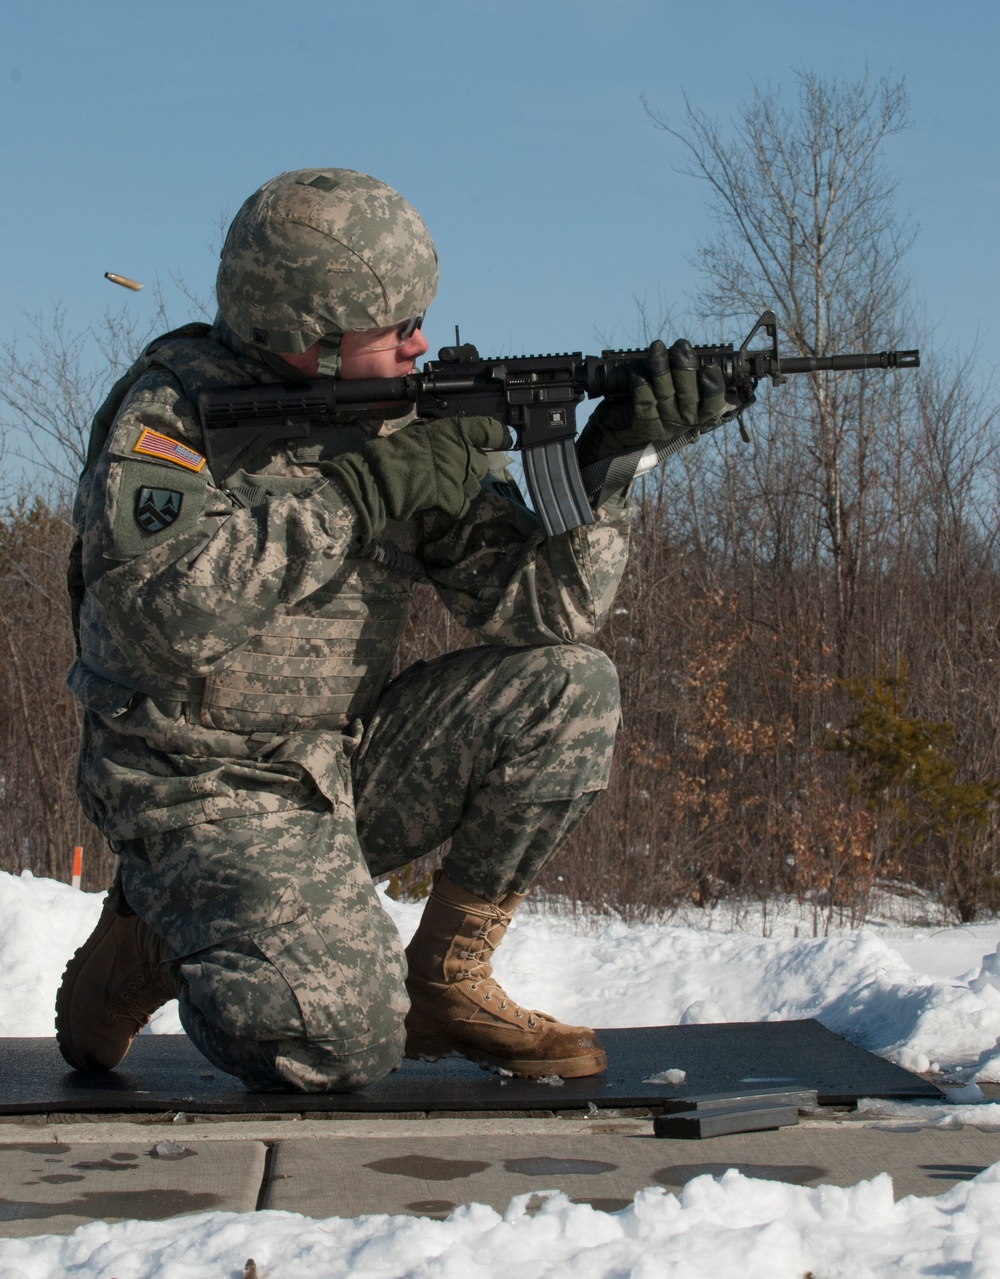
[860,531]
[40,820]
[52,383]
[806,224]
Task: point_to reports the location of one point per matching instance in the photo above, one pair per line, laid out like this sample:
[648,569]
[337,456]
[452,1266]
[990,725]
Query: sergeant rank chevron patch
[156,509]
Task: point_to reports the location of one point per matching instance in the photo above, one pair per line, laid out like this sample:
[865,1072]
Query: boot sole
[425,1049]
[568,1068]
[64,996]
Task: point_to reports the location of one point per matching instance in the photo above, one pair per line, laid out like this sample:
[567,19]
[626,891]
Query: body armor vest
[320,663]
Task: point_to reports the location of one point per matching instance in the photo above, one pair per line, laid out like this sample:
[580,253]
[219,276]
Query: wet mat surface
[165,1072]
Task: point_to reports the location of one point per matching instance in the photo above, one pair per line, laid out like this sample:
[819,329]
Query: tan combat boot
[110,989]
[456,1005]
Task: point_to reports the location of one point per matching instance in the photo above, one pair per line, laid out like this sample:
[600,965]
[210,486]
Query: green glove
[677,397]
[431,465]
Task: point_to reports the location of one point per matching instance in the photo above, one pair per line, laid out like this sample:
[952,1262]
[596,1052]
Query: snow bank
[42,922]
[732,1227]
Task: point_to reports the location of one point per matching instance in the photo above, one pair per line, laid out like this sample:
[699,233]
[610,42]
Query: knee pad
[318,1067]
[284,992]
[283,1065]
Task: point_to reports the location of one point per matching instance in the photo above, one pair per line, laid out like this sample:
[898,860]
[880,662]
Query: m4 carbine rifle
[535,395]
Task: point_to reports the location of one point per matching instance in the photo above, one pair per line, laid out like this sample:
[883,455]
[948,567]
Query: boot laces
[479,971]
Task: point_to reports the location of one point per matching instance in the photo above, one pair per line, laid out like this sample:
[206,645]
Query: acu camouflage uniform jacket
[229,639]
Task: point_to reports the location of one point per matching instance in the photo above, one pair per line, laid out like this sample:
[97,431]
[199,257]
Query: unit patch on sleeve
[154,444]
[156,509]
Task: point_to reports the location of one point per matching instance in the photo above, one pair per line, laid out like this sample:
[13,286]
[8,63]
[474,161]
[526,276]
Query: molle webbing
[318,671]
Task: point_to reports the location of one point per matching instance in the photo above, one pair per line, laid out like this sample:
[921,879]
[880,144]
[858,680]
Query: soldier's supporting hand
[676,397]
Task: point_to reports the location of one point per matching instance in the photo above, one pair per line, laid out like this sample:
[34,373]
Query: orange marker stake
[77,866]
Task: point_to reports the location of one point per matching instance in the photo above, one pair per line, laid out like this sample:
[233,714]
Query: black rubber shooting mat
[166,1073]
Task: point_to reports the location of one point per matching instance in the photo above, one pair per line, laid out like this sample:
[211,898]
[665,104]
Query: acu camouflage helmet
[320,252]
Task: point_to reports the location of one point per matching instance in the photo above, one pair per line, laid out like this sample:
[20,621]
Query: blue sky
[515,127]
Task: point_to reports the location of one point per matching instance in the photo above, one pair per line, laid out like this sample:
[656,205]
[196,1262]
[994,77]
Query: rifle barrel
[866,360]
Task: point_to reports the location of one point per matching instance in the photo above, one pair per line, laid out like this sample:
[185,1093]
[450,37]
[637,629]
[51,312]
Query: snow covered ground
[730,1228]
[925,997]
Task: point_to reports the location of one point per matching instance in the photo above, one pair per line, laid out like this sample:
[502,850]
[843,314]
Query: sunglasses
[402,331]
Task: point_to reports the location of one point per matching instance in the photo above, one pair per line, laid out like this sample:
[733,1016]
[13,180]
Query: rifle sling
[614,474]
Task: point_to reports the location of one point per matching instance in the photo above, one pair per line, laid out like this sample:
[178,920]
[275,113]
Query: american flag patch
[156,445]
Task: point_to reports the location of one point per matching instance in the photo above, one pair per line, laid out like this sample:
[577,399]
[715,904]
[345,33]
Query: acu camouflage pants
[290,973]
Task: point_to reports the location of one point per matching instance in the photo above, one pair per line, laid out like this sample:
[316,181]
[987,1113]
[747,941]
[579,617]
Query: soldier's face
[381,352]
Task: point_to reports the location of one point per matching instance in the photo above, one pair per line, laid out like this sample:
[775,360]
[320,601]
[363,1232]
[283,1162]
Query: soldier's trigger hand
[482,432]
[433,465]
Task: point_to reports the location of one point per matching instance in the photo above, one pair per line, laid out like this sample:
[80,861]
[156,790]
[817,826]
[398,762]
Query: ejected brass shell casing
[123,280]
